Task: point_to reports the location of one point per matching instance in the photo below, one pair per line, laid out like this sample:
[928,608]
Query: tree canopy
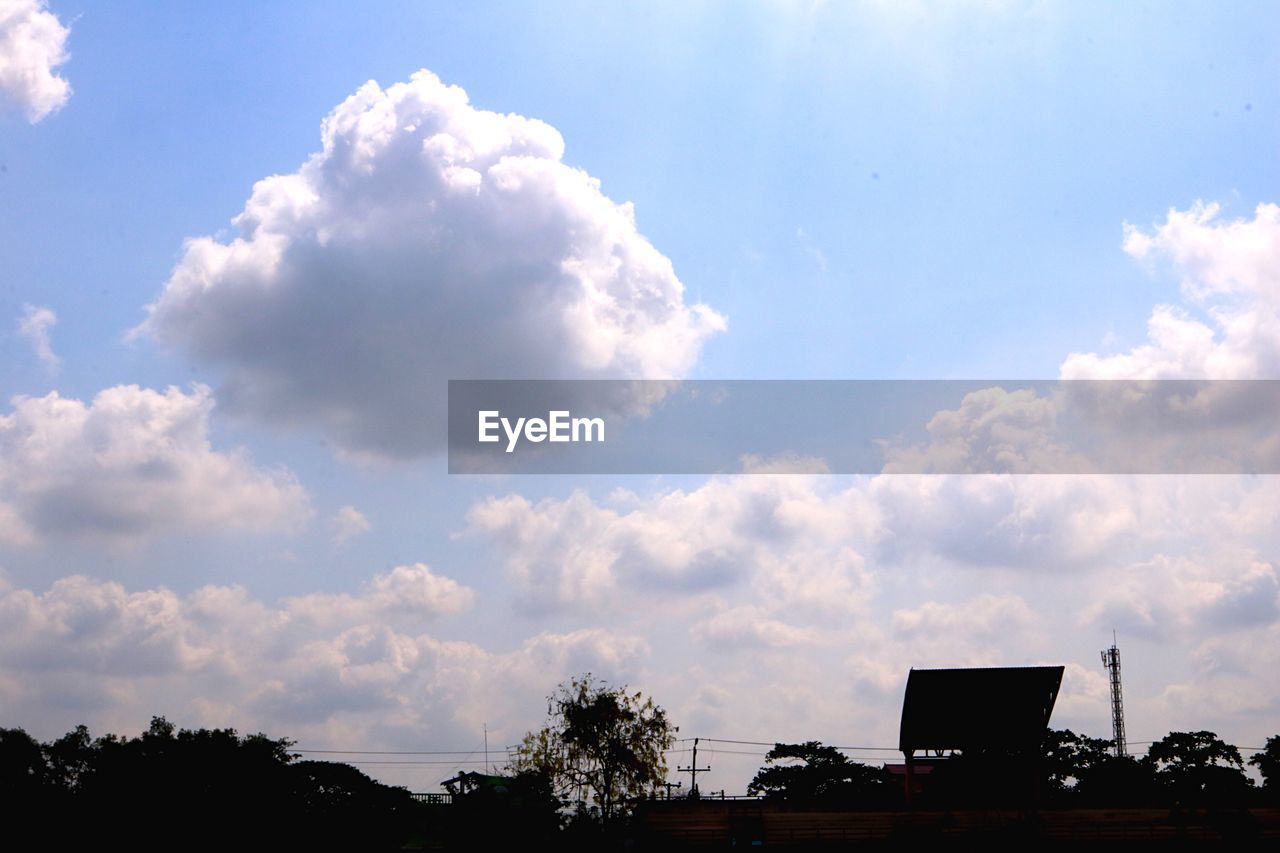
[1268,764]
[600,746]
[1198,766]
[172,787]
[818,776]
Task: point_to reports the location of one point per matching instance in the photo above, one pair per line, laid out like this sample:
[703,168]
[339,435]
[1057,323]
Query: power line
[779,742]
[385,751]
[673,751]
[417,763]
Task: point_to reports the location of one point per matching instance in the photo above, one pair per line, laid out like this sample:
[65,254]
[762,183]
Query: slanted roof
[980,708]
[468,781]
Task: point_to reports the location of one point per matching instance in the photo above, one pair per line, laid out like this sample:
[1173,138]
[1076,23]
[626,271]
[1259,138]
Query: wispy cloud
[34,326]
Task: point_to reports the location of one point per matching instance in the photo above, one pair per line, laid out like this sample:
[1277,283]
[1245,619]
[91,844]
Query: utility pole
[1111,660]
[693,770]
[670,785]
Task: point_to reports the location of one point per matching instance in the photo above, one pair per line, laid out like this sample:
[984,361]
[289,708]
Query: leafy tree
[70,758]
[1069,758]
[820,777]
[1117,780]
[1268,764]
[600,746]
[1199,767]
[23,771]
[337,807]
[201,789]
[513,812]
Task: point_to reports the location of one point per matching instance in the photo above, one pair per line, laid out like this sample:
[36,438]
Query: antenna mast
[1111,660]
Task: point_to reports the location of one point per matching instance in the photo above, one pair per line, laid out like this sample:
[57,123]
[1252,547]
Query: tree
[1070,758]
[23,771]
[1268,764]
[503,812]
[1199,766]
[70,758]
[202,788]
[1117,780]
[823,778]
[600,746]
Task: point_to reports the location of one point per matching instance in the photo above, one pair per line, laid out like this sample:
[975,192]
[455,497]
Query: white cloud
[412,591]
[343,670]
[986,615]
[992,431]
[347,523]
[1029,523]
[1231,271]
[132,463]
[32,45]
[428,240]
[34,326]
[1220,590]
[751,627]
[833,587]
[576,552]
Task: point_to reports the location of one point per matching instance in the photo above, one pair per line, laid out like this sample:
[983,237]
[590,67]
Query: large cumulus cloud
[427,240]
[131,463]
[32,45]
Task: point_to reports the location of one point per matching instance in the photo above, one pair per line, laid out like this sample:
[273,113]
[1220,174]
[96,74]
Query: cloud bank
[343,669]
[131,463]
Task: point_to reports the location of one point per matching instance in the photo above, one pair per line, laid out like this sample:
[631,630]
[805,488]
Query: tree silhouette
[600,746]
[70,758]
[821,777]
[1070,758]
[1268,764]
[204,788]
[1199,768]
[23,771]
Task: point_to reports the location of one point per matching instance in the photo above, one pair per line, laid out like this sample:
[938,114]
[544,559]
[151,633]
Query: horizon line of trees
[199,789]
[600,752]
[1190,769]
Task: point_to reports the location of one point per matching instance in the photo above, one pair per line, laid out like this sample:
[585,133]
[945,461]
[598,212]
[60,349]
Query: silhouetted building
[994,718]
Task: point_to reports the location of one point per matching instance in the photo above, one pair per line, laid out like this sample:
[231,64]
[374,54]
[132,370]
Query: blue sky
[863,190]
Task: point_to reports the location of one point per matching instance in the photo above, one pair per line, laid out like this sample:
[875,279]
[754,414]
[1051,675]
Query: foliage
[1268,764]
[511,812]
[204,788]
[600,746]
[1117,780]
[1070,758]
[23,772]
[1198,767]
[823,778]
[1081,770]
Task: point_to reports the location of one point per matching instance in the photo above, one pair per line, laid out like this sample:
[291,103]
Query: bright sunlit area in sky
[244,247]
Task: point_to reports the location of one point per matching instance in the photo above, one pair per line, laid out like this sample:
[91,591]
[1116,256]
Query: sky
[243,247]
